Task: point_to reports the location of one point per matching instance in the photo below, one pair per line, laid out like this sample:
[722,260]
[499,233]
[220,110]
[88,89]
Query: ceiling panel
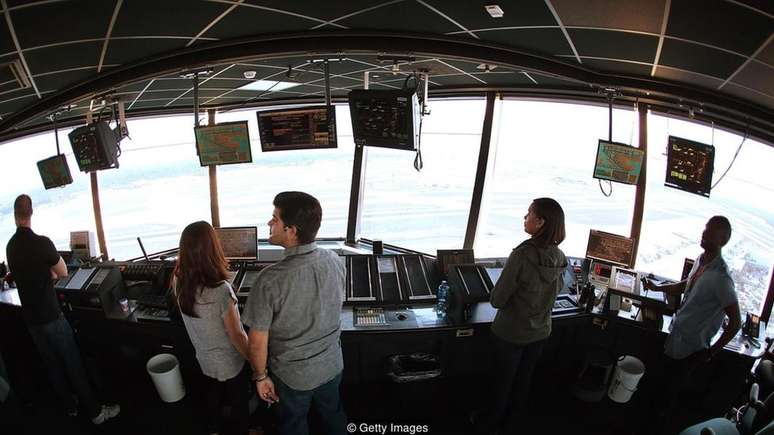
[504,78]
[413,18]
[687,77]
[137,86]
[767,54]
[6,43]
[755,97]
[155,18]
[53,82]
[698,58]
[322,10]
[640,15]
[73,21]
[756,76]
[472,15]
[168,83]
[124,51]
[618,67]
[247,21]
[763,6]
[550,42]
[628,46]
[64,57]
[722,24]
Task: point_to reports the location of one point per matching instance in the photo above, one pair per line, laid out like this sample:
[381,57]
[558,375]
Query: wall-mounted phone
[752,325]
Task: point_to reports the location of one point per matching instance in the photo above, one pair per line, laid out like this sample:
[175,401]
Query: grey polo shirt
[702,312]
[298,301]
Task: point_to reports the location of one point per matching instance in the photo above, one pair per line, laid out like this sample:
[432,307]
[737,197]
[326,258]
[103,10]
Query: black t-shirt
[30,258]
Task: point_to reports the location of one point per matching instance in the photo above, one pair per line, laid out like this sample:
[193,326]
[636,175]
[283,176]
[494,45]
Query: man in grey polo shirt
[294,317]
[709,297]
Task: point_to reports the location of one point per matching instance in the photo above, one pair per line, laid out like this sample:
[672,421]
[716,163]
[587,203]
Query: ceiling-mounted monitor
[54,171]
[618,162]
[690,165]
[95,146]
[223,144]
[301,128]
[387,119]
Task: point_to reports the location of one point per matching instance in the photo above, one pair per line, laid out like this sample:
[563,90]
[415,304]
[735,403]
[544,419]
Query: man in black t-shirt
[34,264]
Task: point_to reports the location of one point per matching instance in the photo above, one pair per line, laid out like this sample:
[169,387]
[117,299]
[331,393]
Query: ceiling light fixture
[495,11]
[265,85]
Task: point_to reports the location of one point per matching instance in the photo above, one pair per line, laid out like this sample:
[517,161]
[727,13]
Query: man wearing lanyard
[709,297]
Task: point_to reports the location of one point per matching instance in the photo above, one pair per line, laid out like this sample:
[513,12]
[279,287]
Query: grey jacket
[526,291]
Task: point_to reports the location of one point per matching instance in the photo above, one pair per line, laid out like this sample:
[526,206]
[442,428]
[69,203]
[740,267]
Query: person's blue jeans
[56,344]
[293,408]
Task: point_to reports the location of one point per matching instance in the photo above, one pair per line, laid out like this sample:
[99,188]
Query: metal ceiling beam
[743,114]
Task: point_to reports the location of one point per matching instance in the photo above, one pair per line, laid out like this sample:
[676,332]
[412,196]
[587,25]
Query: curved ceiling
[714,58]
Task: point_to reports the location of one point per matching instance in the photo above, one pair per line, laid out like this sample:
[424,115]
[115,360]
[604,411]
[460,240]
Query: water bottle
[442,296]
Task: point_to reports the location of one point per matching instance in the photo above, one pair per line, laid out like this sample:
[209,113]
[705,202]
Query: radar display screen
[611,248]
[54,171]
[689,166]
[297,129]
[222,144]
[239,243]
[618,162]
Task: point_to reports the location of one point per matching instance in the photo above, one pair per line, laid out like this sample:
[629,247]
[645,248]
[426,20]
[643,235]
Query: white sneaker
[107,412]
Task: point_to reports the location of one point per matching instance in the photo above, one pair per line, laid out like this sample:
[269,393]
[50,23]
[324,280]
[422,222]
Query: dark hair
[200,263]
[552,232]
[723,223]
[302,211]
[22,207]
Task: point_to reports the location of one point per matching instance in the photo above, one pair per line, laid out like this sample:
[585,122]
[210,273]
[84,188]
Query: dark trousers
[233,396]
[513,366]
[56,344]
[675,382]
[293,408]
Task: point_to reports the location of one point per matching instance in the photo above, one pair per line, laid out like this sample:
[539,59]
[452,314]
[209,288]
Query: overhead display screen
[618,162]
[385,118]
[54,171]
[297,129]
[223,144]
[689,166]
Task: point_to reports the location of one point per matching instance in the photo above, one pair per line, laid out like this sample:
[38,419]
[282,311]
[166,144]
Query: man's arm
[258,349]
[672,289]
[59,270]
[729,332]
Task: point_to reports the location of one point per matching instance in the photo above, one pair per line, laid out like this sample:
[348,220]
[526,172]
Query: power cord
[736,154]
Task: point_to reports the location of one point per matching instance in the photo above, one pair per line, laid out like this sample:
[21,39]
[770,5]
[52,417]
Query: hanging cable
[610,96]
[56,133]
[418,163]
[736,154]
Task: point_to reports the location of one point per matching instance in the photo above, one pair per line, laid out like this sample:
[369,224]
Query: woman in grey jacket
[524,296]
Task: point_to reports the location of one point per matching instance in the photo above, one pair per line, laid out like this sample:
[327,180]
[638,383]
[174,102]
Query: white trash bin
[626,377]
[164,369]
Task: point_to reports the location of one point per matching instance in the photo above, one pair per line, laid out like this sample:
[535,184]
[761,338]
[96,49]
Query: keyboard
[153,300]
[370,317]
[141,271]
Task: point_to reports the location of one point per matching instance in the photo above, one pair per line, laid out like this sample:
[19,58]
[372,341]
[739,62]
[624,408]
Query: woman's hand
[265,388]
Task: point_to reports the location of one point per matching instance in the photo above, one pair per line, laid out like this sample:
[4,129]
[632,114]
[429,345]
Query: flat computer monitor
[416,277]
[689,166]
[618,162]
[239,243]
[445,257]
[610,248]
[359,278]
[223,144]
[54,171]
[301,128]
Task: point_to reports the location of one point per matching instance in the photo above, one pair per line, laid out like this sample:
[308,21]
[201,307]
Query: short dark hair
[302,211]
[552,232]
[723,223]
[22,207]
